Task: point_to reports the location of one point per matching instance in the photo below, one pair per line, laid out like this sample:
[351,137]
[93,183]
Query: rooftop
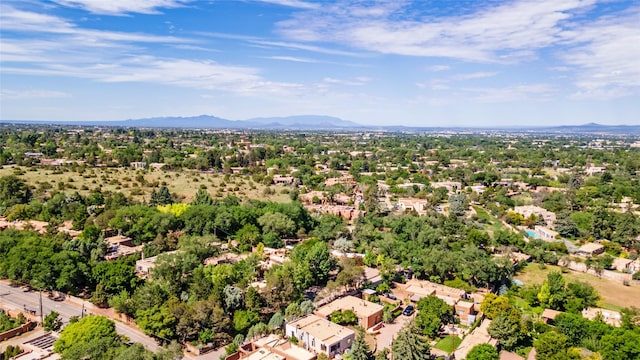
[264,354]
[117,239]
[322,329]
[362,308]
[590,247]
[550,314]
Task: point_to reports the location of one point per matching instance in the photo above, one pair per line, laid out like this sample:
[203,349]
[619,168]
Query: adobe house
[368,313]
[320,335]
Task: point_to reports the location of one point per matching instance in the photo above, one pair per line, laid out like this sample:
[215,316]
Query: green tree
[202,198]
[276,321]
[248,236]
[621,345]
[493,305]
[232,298]
[428,323]
[507,329]
[277,223]
[157,320]
[574,326]
[436,306]
[483,352]
[383,354]
[52,322]
[13,190]
[553,292]
[161,197]
[408,345]
[458,204]
[359,349]
[554,346]
[90,329]
[244,319]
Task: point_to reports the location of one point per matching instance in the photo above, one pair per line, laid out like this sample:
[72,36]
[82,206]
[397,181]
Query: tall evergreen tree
[409,345]
[202,198]
[360,349]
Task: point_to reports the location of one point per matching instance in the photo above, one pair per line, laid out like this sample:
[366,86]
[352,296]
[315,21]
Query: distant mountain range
[311,122]
[319,122]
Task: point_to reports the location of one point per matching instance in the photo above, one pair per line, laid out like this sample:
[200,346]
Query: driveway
[388,332]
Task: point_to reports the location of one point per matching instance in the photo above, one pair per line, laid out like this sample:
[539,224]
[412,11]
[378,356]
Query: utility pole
[41,314]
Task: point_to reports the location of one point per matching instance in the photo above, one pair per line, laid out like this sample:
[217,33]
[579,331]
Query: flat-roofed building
[320,335]
[621,264]
[264,354]
[418,289]
[466,312]
[549,315]
[119,245]
[144,265]
[368,313]
[610,317]
[283,347]
[590,249]
[528,210]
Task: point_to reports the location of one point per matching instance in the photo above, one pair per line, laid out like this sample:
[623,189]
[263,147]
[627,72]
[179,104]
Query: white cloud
[123,7]
[476,75]
[606,56]
[438,68]
[61,48]
[358,81]
[206,75]
[291,58]
[16,20]
[293,3]
[31,94]
[305,47]
[501,33]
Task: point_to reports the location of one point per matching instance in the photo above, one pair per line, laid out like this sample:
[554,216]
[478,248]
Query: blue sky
[423,63]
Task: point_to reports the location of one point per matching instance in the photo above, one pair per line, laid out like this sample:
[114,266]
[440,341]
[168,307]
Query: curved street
[17,298]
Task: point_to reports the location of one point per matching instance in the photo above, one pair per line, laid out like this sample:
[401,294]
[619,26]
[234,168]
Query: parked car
[391,296]
[408,310]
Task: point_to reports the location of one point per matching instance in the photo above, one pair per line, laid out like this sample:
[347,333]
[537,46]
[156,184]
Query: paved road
[16,298]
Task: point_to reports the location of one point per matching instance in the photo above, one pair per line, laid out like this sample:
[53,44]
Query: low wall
[606,274]
[17,331]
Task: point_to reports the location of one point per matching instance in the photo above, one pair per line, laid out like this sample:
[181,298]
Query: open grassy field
[614,294]
[445,343]
[140,183]
[491,224]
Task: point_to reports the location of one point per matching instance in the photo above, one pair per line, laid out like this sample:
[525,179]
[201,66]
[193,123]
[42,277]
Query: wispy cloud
[16,20]
[606,55]
[291,58]
[358,81]
[293,3]
[106,56]
[475,75]
[205,75]
[32,94]
[500,33]
[306,47]
[123,7]
[438,68]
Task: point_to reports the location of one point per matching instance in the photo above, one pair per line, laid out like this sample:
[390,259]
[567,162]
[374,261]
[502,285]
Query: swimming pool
[532,234]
